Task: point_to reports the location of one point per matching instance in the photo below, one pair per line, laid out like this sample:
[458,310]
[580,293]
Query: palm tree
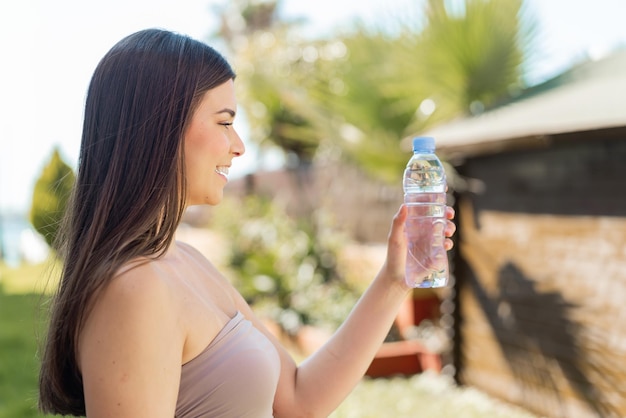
[429,70]
[357,95]
[475,54]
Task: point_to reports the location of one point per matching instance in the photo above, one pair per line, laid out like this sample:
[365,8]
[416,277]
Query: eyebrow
[226,110]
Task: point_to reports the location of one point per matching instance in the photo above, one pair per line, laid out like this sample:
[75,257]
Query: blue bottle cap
[423,143]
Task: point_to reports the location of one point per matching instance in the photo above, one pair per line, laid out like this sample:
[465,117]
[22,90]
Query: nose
[237,146]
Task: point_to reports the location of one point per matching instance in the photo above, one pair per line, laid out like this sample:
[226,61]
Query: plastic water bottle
[425,197]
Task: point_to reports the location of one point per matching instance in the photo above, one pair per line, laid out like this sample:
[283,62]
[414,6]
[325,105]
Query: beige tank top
[235,376]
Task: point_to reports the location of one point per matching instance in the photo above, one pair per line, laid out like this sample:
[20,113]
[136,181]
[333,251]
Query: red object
[404,358]
[408,357]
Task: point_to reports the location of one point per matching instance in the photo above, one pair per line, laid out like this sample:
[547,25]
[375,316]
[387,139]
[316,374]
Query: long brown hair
[129,194]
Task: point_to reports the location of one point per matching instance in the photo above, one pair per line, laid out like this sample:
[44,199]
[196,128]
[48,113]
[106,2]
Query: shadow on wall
[539,341]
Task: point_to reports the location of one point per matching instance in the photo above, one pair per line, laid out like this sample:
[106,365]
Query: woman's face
[210,144]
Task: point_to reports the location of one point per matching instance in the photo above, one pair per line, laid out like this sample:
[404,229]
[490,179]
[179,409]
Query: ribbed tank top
[235,376]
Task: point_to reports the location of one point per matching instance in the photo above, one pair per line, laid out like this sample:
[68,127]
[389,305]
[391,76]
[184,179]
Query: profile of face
[210,145]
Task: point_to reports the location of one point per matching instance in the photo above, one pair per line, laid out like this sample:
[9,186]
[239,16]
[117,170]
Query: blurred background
[51,49]
[330,94]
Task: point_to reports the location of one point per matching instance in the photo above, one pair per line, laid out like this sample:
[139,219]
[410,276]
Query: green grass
[20,327]
[28,278]
[18,347]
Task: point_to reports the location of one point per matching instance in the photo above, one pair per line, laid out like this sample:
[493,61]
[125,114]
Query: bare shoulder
[142,288]
[144,281]
[132,301]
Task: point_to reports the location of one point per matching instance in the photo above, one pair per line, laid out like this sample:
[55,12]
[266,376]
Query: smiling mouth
[222,171]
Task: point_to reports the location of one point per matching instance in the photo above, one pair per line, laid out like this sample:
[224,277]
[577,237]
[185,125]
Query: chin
[208,202]
[212,199]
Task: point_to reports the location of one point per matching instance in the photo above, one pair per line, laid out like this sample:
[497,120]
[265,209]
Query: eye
[226,124]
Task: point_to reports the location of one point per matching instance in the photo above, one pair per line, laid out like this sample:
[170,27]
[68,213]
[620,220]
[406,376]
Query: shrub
[50,196]
[285,268]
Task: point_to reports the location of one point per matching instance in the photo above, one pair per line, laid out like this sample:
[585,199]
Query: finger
[450,229]
[448,244]
[450,213]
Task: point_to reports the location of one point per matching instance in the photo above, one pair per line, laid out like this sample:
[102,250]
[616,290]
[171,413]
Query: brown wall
[541,277]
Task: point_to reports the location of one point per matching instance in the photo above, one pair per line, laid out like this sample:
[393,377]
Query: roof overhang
[585,105]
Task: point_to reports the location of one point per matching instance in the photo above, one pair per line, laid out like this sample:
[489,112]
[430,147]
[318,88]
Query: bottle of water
[425,197]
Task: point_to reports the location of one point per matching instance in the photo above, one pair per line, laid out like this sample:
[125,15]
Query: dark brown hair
[129,194]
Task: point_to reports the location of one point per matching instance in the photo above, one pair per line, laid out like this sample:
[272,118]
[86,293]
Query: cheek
[203,153]
[206,141]
[196,146]
[217,143]
[191,166]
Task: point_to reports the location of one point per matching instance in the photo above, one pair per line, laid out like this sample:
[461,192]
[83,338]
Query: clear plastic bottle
[425,197]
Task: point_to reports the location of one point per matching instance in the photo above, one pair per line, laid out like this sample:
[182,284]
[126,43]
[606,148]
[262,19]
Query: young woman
[143,326]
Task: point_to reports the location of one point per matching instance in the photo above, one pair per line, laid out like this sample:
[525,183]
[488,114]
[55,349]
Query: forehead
[218,98]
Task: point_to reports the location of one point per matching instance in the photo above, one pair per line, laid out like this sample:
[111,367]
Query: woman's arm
[130,349]
[321,383]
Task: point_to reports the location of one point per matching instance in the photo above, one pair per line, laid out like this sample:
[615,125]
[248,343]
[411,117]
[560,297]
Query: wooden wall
[541,277]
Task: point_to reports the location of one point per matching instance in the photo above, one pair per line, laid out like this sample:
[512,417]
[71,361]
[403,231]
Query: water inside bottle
[427,260]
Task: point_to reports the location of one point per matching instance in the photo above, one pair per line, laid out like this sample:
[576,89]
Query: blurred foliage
[475,53]
[424,395]
[356,95]
[50,195]
[286,270]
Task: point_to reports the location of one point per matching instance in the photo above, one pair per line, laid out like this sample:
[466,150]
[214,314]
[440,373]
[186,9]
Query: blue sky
[50,49]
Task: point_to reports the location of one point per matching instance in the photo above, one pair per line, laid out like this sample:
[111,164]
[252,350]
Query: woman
[143,326]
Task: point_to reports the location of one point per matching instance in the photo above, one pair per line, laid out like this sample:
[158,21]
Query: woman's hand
[450,228]
[395,264]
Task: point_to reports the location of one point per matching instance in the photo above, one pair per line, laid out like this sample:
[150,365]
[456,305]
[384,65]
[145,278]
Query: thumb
[397,243]
[397,225]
